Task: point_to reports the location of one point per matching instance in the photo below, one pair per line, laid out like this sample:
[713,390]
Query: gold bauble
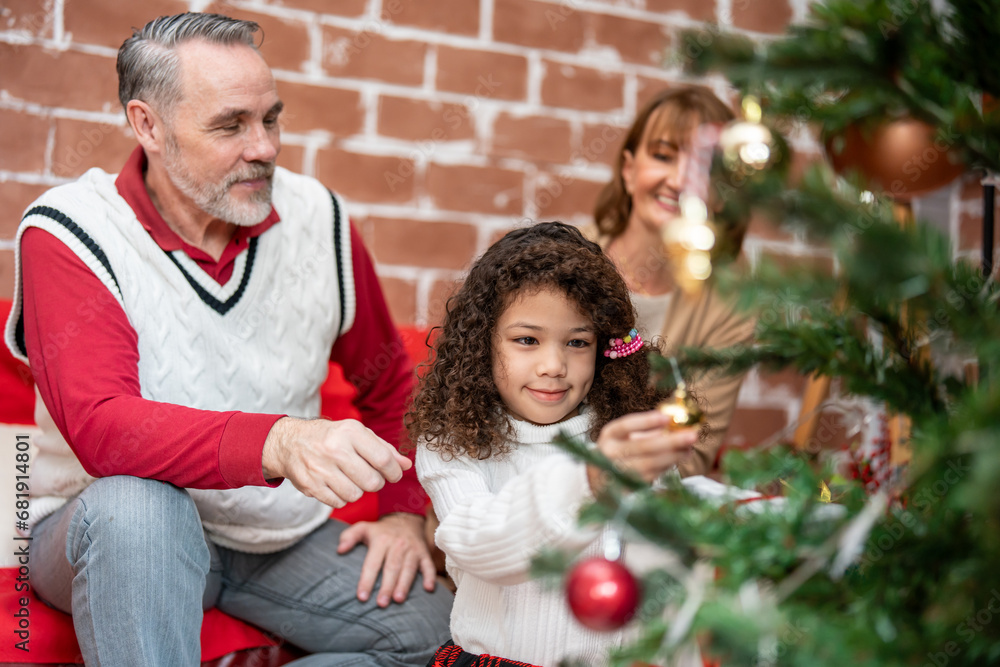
[748,147]
[688,242]
[682,409]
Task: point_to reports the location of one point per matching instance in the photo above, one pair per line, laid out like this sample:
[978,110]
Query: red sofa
[225,640]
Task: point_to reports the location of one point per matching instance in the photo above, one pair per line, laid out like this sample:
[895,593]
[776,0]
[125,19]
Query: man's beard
[215,198]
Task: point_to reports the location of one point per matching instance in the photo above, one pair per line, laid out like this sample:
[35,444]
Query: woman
[629,217]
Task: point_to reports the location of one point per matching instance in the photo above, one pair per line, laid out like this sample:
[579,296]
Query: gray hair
[147,61]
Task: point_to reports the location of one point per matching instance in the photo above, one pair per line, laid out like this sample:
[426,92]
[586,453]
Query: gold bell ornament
[682,408]
[690,237]
[688,241]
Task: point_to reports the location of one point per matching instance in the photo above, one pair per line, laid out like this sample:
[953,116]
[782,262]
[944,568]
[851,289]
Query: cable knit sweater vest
[260,343]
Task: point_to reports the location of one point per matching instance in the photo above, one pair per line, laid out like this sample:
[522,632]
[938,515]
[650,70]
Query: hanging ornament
[682,408]
[870,462]
[824,494]
[903,157]
[602,594]
[747,145]
[689,238]
[688,241]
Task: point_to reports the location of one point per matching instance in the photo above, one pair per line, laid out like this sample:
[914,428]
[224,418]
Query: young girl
[531,346]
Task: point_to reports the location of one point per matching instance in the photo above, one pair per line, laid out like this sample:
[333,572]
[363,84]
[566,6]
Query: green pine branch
[855,60]
[895,320]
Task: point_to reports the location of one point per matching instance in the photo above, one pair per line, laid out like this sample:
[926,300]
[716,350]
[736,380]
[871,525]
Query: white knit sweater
[496,514]
[258,344]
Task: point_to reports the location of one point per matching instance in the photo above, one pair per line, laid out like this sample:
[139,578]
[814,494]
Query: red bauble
[602,594]
[903,158]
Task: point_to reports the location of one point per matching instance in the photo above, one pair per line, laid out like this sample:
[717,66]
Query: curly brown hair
[457,408]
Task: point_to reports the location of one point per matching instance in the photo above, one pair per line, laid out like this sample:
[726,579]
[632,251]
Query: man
[178,320]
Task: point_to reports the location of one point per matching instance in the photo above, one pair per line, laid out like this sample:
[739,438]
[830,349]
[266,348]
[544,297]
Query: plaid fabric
[452,655]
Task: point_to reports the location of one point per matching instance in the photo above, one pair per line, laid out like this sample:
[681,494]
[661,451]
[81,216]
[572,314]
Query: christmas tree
[902,572]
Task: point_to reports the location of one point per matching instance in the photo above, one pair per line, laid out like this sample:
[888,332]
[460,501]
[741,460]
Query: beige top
[709,321]
[651,313]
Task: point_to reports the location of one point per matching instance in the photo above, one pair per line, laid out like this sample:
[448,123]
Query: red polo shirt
[84,357]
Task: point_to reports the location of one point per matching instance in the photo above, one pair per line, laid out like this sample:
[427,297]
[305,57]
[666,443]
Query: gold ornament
[682,409]
[825,495]
[747,145]
[688,241]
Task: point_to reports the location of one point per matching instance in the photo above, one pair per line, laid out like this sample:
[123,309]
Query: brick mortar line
[316,75]
[956,206]
[50,147]
[486,11]
[422,302]
[10,103]
[15,38]
[389,31]
[481,221]
[389,147]
[396,32]
[794,248]
[430,69]
[414,273]
[58,19]
[374,8]
[30,178]
[677,17]
[532,103]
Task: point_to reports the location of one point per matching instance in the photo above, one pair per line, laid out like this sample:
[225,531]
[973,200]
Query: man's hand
[332,461]
[396,546]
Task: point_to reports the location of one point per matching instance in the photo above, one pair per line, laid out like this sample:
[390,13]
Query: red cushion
[16,386]
[51,638]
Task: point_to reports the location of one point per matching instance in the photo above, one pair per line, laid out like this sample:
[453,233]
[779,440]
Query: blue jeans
[129,559]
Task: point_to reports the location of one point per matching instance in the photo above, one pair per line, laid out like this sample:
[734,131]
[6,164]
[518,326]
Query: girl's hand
[641,444]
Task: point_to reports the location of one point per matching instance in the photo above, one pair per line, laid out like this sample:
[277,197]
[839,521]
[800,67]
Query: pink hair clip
[622,347]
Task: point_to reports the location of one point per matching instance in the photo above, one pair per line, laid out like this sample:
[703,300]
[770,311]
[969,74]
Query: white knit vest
[258,344]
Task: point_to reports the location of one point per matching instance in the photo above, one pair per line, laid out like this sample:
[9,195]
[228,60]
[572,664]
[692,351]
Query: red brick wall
[442,122]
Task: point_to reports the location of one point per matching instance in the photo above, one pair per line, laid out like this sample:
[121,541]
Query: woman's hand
[641,444]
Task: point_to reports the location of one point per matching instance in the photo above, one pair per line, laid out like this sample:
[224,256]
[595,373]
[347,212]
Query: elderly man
[178,319]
